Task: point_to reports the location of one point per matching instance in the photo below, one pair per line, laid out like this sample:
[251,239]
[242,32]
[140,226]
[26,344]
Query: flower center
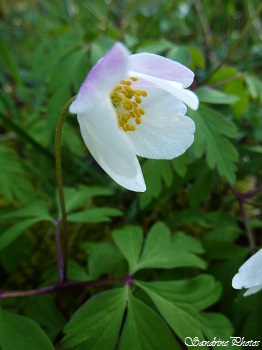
[126,101]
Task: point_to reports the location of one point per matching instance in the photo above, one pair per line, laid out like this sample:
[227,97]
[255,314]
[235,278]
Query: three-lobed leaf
[160,250]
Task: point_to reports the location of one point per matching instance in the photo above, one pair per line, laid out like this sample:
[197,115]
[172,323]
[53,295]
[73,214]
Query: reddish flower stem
[242,198]
[127,280]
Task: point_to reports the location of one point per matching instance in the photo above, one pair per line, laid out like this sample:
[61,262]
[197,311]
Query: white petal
[174,88]
[250,273]
[102,78]
[161,67]
[110,147]
[165,132]
[252,290]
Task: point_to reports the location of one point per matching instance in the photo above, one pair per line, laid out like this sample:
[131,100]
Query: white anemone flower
[250,275]
[133,105]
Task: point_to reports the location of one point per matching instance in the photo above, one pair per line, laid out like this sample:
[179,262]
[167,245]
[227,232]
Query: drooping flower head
[250,275]
[133,105]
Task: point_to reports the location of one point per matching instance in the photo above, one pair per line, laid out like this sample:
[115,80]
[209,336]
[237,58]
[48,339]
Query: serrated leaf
[202,187]
[182,241]
[76,272]
[180,54]
[15,231]
[129,240]
[145,330]
[206,94]
[34,210]
[13,181]
[19,332]
[162,252]
[10,63]
[153,46]
[76,197]
[94,215]
[180,302]
[103,258]
[180,164]
[96,325]
[197,58]
[155,172]
[212,131]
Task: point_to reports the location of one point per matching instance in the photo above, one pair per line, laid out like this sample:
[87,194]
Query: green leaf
[94,215]
[145,330]
[255,86]
[154,46]
[216,325]
[76,272]
[155,172]
[212,131]
[180,164]
[162,252]
[129,241]
[10,63]
[19,332]
[255,149]
[15,231]
[180,302]
[202,186]
[13,181]
[76,197]
[209,95]
[181,241]
[104,257]
[180,54]
[197,58]
[96,325]
[34,210]
[42,309]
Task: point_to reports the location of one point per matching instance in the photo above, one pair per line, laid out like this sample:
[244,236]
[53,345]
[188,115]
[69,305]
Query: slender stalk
[59,178]
[242,198]
[59,255]
[234,44]
[127,280]
[250,236]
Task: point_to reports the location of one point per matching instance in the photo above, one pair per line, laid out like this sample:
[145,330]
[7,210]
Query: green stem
[59,178]
[234,44]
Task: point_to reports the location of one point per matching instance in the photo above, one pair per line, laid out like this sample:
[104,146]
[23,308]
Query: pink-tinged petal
[110,147]
[174,88]
[101,80]
[161,67]
[165,132]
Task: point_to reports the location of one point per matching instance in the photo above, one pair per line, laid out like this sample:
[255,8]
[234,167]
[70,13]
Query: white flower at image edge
[250,275]
[134,105]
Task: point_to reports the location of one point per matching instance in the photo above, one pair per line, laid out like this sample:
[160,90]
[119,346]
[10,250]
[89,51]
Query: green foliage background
[182,240]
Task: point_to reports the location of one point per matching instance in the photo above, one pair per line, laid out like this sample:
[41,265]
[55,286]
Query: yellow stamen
[126,100]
